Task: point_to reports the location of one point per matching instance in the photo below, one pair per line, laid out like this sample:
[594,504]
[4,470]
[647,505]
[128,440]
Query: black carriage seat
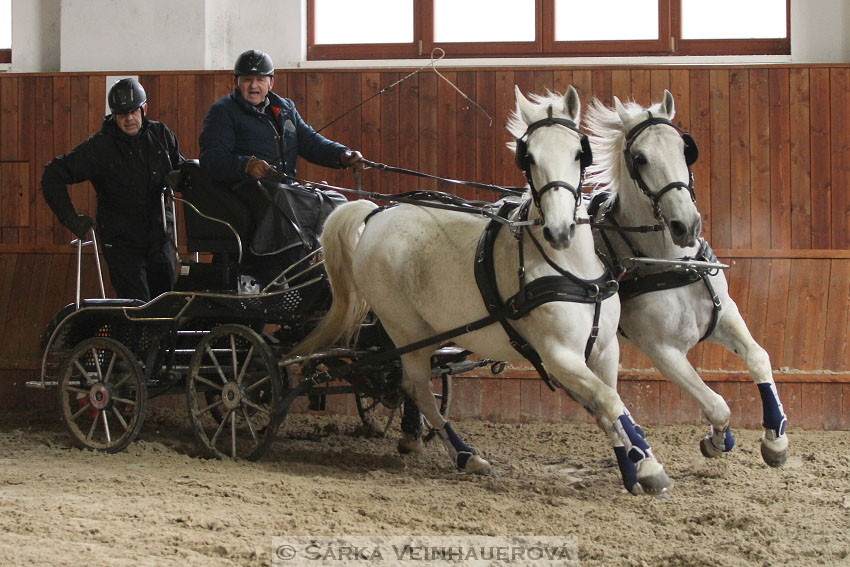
[217,222]
[212,213]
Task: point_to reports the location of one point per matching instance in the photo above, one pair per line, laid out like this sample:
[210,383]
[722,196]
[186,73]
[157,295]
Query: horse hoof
[652,478]
[707,448]
[774,452]
[407,445]
[476,465]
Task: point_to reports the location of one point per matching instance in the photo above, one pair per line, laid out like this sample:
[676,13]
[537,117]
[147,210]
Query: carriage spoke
[233,358]
[216,364]
[254,406]
[97,364]
[124,379]
[259,382]
[84,373]
[106,428]
[220,427]
[233,434]
[245,365]
[209,408]
[76,390]
[80,411]
[120,418]
[203,380]
[91,429]
[109,368]
[125,401]
[250,425]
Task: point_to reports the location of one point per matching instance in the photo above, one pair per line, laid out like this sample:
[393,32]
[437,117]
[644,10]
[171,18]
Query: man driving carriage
[126,161]
[253,135]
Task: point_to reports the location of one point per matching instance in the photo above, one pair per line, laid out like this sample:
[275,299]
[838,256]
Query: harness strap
[661,281]
[564,287]
[485,277]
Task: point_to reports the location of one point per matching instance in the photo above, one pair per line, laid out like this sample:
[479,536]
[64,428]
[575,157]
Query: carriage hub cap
[99,396]
[231,395]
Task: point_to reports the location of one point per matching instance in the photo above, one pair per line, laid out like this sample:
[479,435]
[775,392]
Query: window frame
[669,43]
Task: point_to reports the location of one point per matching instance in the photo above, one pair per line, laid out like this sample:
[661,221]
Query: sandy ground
[157,503]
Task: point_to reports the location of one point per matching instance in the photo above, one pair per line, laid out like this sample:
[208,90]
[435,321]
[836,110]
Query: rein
[517,191]
[430,199]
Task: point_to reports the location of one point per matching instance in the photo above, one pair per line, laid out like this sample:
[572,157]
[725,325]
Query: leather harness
[633,283]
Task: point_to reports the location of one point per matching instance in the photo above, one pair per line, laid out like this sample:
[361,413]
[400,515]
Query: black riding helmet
[125,96]
[254,62]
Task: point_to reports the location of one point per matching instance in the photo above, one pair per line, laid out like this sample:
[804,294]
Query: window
[386,29]
[5,31]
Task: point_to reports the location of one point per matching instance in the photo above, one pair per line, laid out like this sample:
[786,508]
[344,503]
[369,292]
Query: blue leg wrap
[464,451]
[773,416]
[728,441]
[639,447]
[627,468]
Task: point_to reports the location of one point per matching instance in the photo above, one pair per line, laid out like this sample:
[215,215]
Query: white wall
[274,26]
[119,35]
[122,35]
[35,35]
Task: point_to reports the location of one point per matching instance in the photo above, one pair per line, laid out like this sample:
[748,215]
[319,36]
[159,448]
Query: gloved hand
[350,158]
[257,168]
[79,224]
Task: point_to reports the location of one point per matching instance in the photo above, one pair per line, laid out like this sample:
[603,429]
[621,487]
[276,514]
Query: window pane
[483,20]
[733,19]
[580,20]
[5,24]
[363,21]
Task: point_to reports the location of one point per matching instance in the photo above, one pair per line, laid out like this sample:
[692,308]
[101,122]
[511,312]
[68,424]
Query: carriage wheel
[234,393]
[375,419]
[102,395]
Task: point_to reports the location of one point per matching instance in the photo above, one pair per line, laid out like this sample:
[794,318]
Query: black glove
[78,224]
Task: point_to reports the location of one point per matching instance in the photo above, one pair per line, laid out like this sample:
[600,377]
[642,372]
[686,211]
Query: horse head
[657,155]
[552,153]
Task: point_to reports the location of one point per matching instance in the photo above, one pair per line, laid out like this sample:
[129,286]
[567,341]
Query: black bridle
[691,154]
[524,161]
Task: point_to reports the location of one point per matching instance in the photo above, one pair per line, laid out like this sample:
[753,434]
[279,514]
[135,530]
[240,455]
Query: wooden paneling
[770,182]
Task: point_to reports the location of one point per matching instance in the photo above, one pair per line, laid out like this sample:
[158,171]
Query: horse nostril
[547,234]
[572,230]
[678,228]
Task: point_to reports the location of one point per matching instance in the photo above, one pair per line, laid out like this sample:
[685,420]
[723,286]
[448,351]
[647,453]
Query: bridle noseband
[691,154]
[524,161]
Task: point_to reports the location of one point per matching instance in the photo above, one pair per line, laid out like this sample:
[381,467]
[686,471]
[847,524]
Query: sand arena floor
[158,504]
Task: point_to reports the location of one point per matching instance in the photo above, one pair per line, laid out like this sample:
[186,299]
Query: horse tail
[339,239]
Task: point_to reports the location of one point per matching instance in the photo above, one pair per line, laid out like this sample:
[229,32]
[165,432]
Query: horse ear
[523,106]
[572,105]
[621,111]
[669,105]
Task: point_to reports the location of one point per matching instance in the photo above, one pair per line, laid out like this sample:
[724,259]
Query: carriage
[224,342]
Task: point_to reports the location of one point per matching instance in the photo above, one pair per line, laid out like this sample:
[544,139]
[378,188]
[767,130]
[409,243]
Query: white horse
[414,266]
[644,161]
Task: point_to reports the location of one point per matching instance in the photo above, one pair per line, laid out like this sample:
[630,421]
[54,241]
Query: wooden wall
[771,183]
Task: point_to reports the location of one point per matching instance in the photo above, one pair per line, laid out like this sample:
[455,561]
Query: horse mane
[607,133]
[517,125]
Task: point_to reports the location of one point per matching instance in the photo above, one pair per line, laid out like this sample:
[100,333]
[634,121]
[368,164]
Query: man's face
[254,88]
[131,122]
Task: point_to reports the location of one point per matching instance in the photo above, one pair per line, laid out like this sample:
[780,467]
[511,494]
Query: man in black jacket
[126,161]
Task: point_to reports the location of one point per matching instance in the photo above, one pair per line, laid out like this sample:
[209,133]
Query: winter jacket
[234,130]
[128,174]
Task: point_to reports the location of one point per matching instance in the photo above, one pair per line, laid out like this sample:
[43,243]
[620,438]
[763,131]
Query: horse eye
[640,159]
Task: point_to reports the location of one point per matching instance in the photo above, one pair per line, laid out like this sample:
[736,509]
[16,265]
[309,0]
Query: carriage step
[42,385]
